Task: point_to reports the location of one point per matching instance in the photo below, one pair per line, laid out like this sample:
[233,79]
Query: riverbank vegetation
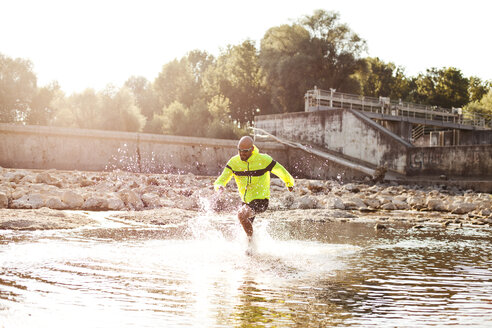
[208,96]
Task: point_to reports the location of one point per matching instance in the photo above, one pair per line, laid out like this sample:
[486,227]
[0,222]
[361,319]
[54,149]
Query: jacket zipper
[247,184]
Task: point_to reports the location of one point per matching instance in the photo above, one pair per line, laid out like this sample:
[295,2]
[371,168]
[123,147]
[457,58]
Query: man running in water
[251,170]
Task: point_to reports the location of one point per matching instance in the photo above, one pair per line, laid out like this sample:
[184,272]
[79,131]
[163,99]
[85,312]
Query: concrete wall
[456,161]
[342,130]
[39,147]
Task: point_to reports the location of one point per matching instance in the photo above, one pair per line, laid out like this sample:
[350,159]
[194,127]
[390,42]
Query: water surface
[301,274]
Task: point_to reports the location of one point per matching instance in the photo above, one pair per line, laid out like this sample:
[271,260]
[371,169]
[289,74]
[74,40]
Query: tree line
[207,96]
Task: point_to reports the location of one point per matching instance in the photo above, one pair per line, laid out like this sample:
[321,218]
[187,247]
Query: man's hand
[291,189]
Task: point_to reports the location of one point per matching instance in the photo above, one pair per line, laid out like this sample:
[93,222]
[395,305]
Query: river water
[301,274]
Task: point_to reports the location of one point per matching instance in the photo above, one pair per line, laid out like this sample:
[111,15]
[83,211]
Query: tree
[181,80]
[316,51]
[478,88]
[482,107]
[338,49]
[238,77]
[378,78]
[145,96]
[17,89]
[41,108]
[444,87]
[119,111]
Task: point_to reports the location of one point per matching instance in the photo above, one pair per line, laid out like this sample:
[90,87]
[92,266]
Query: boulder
[72,199]
[462,208]
[336,203]
[316,186]
[46,178]
[115,204]
[389,206]
[350,187]
[28,201]
[372,202]
[131,199]
[151,200]
[55,203]
[307,202]
[400,205]
[4,200]
[96,204]
[416,202]
[355,203]
[435,204]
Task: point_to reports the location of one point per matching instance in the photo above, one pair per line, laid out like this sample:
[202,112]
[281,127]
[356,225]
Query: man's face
[245,153]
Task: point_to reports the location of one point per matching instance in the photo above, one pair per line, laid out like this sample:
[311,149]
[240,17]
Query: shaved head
[245,147]
[245,142]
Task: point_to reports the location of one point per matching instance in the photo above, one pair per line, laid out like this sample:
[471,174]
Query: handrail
[318,98]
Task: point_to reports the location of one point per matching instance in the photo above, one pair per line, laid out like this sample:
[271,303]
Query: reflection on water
[300,274]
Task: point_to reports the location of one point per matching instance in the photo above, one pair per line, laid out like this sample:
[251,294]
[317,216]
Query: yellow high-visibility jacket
[253,176]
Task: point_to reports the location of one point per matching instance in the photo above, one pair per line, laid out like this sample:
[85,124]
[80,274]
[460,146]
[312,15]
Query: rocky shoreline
[53,199]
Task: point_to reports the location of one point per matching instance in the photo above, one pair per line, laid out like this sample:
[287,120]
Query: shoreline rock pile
[125,191]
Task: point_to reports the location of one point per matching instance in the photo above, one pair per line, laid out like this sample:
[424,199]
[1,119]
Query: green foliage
[17,89]
[145,96]
[200,95]
[482,107]
[377,78]
[119,112]
[181,80]
[238,77]
[41,109]
[478,88]
[446,87]
[316,51]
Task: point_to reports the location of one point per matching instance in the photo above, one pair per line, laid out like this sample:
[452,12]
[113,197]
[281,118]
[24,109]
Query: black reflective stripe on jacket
[255,173]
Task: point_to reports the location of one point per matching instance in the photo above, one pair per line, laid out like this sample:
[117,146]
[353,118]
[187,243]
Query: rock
[188,203]
[384,199]
[151,181]
[84,182]
[315,186]
[307,202]
[400,205]
[216,206]
[287,201]
[151,200]
[115,204]
[355,203]
[435,204]
[131,199]
[462,208]
[4,200]
[72,200]
[418,226]
[486,212]
[14,177]
[46,178]
[350,187]
[336,203]
[416,202]
[96,204]
[379,174]
[372,202]
[29,201]
[55,203]
[388,207]
[380,226]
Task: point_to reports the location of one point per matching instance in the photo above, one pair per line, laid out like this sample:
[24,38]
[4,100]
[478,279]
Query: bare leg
[244,213]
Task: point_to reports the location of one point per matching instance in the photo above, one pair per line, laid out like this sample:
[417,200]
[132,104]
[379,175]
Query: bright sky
[91,43]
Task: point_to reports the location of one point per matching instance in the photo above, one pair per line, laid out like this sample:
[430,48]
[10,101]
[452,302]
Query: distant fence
[317,99]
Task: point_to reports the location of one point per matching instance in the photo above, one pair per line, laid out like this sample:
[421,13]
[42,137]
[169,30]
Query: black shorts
[258,206]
